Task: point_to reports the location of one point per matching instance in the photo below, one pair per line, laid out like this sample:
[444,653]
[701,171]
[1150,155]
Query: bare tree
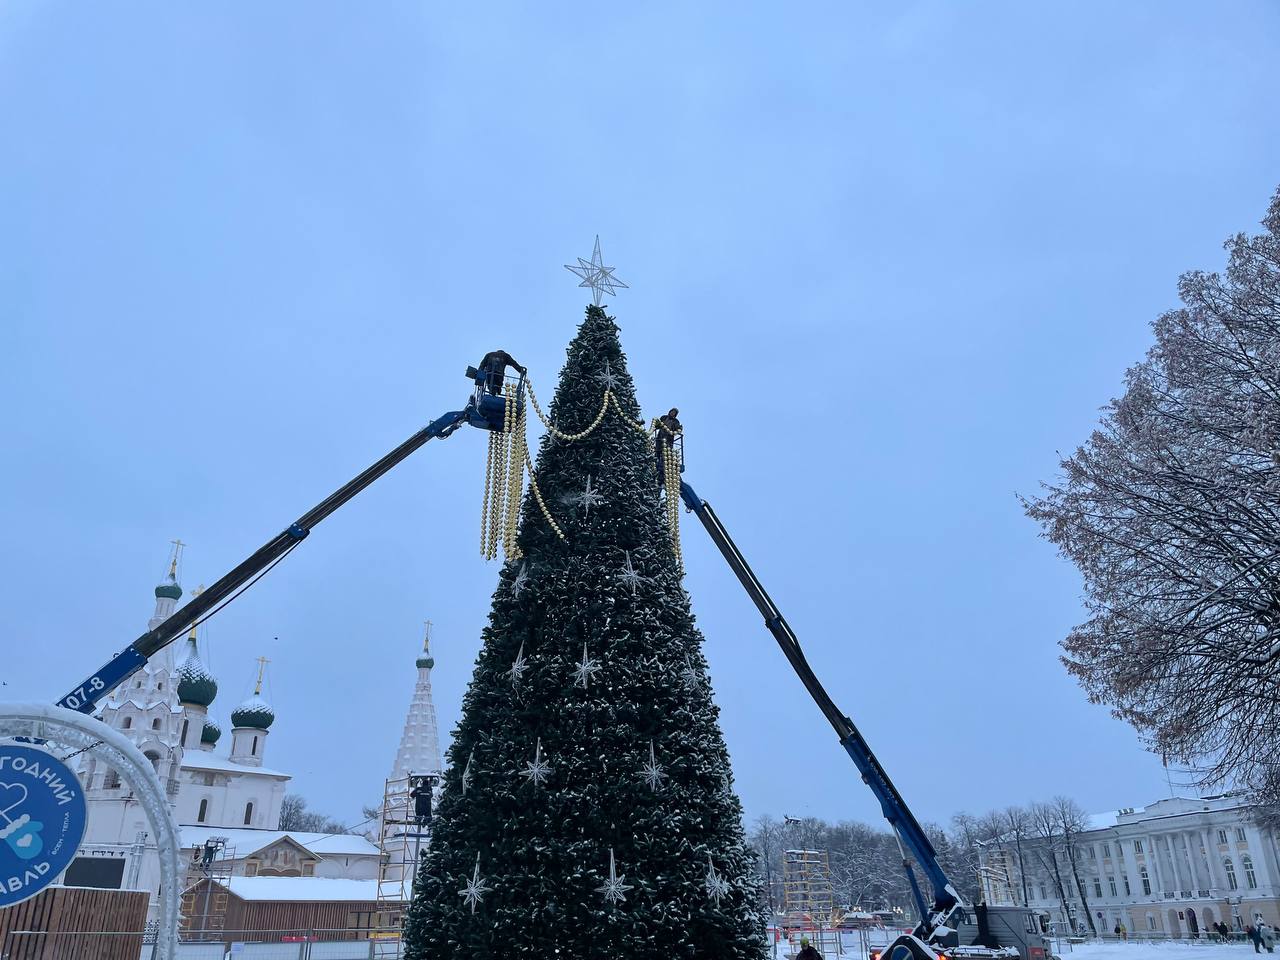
[1072,821]
[1047,828]
[767,840]
[1017,822]
[294,815]
[1171,511]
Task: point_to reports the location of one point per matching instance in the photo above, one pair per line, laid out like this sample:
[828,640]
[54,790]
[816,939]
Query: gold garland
[671,482]
[509,458]
[551,427]
[537,496]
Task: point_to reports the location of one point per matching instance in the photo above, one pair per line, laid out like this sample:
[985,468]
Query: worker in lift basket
[807,952]
[494,367]
[668,428]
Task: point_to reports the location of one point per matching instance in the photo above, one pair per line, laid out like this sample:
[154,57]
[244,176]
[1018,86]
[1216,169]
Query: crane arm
[129,661]
[895,809]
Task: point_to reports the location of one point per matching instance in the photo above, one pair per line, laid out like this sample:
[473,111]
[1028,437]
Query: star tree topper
[596,275]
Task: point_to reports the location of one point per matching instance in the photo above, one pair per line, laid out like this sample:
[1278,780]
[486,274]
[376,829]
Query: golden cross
[177,555]
[426,640]
[195,593]
[262,665]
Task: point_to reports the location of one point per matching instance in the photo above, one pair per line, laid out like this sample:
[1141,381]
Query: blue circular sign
[42,818]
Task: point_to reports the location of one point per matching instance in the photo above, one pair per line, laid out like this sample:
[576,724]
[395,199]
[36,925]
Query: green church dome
[195,683]
[254,712]
[426,661]
[170,590]
[211,732]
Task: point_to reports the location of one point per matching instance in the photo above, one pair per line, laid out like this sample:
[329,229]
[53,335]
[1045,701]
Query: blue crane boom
[485,409]
[908,830]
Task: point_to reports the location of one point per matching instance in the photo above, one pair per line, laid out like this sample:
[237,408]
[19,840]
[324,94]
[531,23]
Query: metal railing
[296,944]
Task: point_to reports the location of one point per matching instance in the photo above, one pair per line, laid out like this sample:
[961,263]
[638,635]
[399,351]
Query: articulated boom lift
[486,409]
[945,929]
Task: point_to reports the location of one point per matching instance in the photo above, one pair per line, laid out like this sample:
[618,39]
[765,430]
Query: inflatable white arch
[42,721]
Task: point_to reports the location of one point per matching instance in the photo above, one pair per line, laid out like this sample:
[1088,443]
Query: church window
[111,781]
[204,810]
[154,758]
[185,724]
[160,686]
[253,750]
[1250,878]
[155,724]
[128,722]
[248,813]
[309,869]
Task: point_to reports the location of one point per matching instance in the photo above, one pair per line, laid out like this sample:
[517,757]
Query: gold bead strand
[484,505]
[515,482]
[537,496]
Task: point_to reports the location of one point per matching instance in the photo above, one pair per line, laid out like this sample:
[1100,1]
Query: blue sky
[886,262]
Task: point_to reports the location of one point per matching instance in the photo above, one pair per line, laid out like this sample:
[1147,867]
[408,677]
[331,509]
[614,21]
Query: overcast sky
[886,263]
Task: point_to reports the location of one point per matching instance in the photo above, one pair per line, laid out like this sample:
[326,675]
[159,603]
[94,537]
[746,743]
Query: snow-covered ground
[1157,950]
[1133,950]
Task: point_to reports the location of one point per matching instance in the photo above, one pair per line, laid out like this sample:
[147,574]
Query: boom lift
[949,927]
[486,409]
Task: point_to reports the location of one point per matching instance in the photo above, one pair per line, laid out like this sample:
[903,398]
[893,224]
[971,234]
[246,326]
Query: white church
[229,801]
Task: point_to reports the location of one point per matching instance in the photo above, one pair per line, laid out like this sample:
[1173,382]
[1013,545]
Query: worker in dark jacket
[806,951]
[668,429]
[494,366]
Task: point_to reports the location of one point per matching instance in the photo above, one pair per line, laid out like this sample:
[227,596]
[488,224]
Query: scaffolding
[204,905]
[404,828]
[807,896]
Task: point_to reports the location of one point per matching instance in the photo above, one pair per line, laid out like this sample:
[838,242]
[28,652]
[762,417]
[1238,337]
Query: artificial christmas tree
[587,810]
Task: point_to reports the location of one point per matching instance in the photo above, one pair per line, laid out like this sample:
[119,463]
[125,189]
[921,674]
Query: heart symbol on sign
[12,796]
[25,841]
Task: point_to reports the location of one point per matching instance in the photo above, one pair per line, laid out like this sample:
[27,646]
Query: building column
[1262,848]
[1151,860]
[1217,881]
[1199,866]
[1176,871]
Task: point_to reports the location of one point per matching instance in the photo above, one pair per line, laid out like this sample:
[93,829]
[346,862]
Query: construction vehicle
[948,927]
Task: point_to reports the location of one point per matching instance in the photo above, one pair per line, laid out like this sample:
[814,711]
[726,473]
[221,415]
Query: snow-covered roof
[302,889]
[200,760]
[1101,821]
[247,842]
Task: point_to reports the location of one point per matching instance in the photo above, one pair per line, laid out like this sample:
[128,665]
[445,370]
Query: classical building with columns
[1170,869]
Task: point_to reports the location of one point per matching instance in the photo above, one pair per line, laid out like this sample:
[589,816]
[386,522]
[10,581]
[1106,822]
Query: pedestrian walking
[806,951]
[1254,937]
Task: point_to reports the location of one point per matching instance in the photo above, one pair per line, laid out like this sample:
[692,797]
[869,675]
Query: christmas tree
[587,810]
